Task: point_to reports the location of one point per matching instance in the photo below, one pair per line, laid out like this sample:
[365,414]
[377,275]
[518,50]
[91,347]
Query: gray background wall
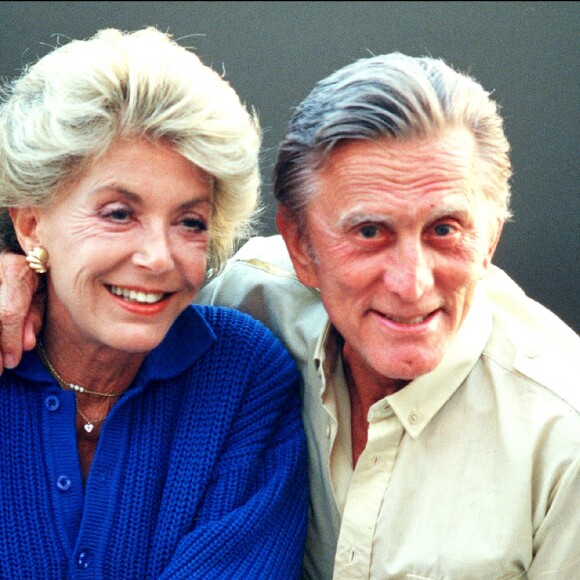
[274,52]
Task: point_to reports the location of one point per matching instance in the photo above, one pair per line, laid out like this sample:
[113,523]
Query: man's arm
[20,315]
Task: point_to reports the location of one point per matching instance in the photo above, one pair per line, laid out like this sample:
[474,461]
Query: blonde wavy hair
[71,105]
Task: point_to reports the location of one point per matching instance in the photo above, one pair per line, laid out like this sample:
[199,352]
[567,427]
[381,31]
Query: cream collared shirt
[471,471]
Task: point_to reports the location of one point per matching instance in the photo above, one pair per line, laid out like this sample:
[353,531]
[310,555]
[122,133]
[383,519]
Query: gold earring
[37,259]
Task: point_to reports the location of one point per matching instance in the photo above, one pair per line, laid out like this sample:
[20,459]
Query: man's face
[398,236]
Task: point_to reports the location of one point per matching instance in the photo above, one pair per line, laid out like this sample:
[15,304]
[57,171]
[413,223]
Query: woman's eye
[118,215]
[195,224]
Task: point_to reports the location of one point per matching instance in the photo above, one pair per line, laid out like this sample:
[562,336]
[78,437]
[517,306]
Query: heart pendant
[89,427]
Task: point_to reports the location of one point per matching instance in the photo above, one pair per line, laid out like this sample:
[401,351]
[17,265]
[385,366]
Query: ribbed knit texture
[199,475]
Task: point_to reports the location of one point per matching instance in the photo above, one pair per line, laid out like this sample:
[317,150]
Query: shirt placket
[365,495]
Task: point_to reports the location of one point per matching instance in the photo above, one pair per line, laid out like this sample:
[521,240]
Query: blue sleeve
[253,520]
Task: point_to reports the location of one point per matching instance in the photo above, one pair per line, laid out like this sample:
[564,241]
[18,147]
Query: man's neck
[364,391]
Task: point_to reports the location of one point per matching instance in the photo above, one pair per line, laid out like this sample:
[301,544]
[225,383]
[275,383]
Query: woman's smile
[142,235]
[140,296]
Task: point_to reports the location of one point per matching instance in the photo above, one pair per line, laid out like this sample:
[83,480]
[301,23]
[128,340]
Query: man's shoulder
[526,320]
[261,281]
[267,253]
[531,340]
[261,260]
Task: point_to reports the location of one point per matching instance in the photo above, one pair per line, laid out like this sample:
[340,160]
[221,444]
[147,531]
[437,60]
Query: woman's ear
[25,220]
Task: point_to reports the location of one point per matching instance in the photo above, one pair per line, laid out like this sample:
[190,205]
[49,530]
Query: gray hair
[74,102]
[391,96]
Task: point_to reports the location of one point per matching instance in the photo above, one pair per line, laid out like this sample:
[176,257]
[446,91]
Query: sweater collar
[187,340]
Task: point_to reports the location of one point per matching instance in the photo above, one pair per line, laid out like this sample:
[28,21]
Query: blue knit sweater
[200,470]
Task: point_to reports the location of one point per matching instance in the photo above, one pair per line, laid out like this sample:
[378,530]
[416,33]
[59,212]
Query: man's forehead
[451,139]
[408,163]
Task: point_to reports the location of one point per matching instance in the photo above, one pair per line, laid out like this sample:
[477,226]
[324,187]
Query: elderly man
[441,404]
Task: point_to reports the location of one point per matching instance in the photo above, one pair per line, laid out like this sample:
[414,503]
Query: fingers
[17,286]
[33,322]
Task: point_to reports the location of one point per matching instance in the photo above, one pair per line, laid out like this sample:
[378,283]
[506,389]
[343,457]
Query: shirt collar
[327,353]
[188,339]
[417,403]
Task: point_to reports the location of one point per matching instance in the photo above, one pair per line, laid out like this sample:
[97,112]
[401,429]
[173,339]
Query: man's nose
[409,274]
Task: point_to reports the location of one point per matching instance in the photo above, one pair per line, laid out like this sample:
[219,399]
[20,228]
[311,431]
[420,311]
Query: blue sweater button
[52,403]
[83,560]
[63,482]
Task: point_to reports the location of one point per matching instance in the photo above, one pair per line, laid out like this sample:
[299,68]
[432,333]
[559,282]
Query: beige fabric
[471,471]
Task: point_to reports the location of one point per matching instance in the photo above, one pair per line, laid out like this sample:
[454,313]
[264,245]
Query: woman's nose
[154,252]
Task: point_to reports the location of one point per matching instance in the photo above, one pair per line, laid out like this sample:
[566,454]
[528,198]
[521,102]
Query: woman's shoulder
[245,344]
[229,324]
[217,339]
[225,318]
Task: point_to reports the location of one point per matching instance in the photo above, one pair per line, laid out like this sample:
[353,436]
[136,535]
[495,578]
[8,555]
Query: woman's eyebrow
[136,198]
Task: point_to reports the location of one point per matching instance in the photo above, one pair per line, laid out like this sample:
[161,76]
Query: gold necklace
[61,381]
[90,423]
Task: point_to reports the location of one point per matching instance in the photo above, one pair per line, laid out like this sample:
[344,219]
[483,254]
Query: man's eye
[443,230]
[369,231]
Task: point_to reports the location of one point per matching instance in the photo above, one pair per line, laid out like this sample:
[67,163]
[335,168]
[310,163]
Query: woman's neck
[93,367]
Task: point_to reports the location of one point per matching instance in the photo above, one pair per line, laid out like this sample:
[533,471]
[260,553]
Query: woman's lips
[138,296]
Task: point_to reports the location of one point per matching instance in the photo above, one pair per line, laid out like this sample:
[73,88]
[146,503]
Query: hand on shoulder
[20,311]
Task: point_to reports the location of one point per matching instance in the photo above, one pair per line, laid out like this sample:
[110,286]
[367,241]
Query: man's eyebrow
[354,218]
[459,210]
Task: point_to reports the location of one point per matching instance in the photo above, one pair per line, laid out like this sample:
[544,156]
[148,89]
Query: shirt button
[414,417]
[532,351]
[52,403]
[63,482]
[83,560]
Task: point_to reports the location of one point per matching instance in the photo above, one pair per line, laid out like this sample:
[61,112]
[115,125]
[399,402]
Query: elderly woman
[144,437]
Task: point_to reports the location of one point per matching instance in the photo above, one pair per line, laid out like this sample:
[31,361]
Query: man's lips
[411,321]
[400,320]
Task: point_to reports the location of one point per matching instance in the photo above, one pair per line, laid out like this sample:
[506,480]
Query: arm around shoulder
[19,322]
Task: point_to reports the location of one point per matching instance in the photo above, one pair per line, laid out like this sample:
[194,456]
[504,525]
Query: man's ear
[25,220]
[494,237]
[297,247]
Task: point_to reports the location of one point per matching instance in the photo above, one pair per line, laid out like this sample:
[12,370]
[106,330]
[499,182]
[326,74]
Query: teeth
[134,296]
[416,320]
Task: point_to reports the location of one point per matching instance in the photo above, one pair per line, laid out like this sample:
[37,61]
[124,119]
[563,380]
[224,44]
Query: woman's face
[127,246]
